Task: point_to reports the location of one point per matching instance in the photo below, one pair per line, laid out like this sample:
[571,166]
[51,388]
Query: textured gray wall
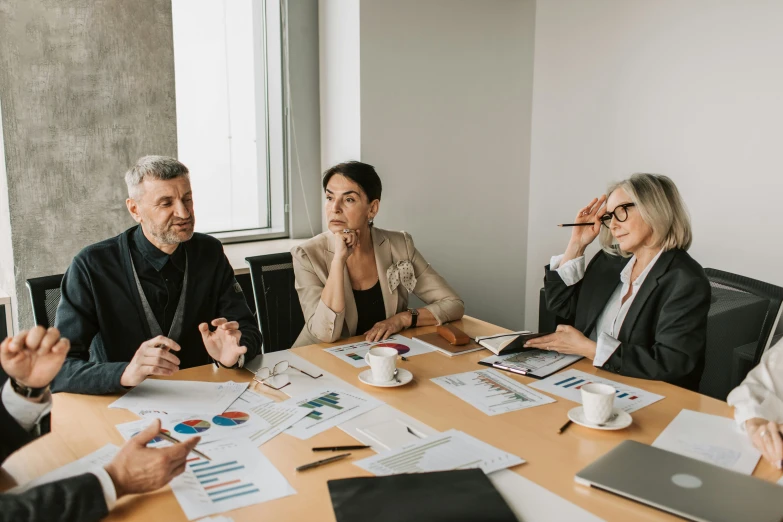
[86,86]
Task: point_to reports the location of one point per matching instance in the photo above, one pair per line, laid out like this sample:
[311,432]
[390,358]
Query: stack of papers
[328,407]
[237,476]
[492,392]
[181,396]
[442,452]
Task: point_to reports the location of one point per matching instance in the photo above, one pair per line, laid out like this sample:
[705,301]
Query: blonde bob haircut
[660,205]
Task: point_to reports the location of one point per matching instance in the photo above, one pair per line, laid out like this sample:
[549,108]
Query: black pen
[340,448]
[322,462]
[563,427]
[577,224]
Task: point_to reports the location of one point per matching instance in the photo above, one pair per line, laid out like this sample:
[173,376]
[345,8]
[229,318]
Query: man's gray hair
[152,167]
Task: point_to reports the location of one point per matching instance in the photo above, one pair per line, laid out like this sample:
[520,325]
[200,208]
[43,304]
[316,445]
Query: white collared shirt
[28,414]
[611,319]
[761,393]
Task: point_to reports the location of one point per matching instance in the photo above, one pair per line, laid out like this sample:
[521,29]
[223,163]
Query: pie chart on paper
[231,418]
[191,427]
[401,348]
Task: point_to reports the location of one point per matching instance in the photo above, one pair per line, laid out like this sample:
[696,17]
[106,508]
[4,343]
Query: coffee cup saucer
[402,374]
[621,421]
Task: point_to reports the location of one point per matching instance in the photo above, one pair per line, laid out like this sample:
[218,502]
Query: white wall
[338,33]
[693,90]
[446,90]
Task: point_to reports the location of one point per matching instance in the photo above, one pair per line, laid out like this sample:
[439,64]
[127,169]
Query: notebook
[463,495]
[435,341]
[504,343]
[531,362]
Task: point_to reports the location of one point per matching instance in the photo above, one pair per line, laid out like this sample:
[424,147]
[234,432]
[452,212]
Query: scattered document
[248,399]
[354,354]
[258,424]
[386,428]
[181,396]
[568,384]
[328,407]
[299,382]
[237,476]
[217,519]
[709,438]
[533,362]
[442,452]
[491,392]
[96,459]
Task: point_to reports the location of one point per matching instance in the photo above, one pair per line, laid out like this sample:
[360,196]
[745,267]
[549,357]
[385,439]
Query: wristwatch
[26,391]
[414,317]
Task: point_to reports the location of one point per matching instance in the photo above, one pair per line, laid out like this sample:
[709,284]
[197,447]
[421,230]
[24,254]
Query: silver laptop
[683,486]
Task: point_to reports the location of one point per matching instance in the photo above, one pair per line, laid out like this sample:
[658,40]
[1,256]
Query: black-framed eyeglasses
[620,214]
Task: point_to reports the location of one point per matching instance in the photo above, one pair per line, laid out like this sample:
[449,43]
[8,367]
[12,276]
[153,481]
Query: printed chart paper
[181,396]
[491,392]
[258,424]
[442,452]
[95,459]
[709,438]
[353,354]
[238,475]
[328,407]
[568,384]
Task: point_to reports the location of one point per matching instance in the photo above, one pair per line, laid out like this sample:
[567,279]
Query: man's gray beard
[169,237]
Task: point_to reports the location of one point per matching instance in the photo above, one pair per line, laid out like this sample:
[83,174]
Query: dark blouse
[369,307]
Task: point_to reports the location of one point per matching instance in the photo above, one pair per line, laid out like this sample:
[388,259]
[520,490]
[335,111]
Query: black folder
[454,496]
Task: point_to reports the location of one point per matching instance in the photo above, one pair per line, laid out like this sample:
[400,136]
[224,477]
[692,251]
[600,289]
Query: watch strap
[414,317]
[26,391]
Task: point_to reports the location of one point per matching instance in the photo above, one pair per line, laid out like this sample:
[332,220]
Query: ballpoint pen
[577,224]
[340,448]
[177,441]
[321,462]
[563,427]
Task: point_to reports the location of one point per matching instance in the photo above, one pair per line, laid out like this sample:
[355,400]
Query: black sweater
[100,312]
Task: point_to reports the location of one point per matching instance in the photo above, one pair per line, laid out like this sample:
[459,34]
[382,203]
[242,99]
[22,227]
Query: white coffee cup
[598,401]
[383,362]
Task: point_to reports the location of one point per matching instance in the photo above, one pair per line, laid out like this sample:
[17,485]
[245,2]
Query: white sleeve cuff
[107,485]
[571,272]
[604,349]
[26,413]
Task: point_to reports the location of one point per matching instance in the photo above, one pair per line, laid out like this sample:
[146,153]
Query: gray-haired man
[139,304]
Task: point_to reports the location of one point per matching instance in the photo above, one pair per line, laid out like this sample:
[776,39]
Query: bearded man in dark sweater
[155,299]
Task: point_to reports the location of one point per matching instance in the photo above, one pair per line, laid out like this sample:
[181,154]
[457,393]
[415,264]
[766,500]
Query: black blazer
[74,499]
[100,312]
[664,335]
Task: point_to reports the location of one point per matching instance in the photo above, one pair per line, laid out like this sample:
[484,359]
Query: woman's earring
[371,219]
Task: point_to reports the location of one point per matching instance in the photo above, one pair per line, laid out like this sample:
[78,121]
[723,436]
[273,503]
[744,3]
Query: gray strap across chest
[179,314]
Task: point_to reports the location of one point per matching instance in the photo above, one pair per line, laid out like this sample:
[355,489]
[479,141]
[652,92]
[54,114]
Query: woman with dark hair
[356,278]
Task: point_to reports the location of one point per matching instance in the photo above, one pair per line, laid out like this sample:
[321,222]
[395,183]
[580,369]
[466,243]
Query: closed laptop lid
[683,486]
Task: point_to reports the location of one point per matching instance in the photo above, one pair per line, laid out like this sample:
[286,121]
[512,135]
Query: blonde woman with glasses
[639,307]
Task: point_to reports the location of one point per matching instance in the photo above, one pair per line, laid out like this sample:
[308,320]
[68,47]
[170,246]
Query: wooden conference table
[82,424]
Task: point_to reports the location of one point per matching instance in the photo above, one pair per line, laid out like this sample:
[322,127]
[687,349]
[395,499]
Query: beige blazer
[313,259]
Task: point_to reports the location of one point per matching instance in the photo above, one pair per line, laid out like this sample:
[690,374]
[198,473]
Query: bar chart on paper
[568,385]
[445,451]
[491,392]
[237,476]
[327,407]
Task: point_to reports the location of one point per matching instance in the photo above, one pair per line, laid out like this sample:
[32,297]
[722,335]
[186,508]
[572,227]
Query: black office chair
[45,296]
[742,318]
[548,321]
[279,313]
